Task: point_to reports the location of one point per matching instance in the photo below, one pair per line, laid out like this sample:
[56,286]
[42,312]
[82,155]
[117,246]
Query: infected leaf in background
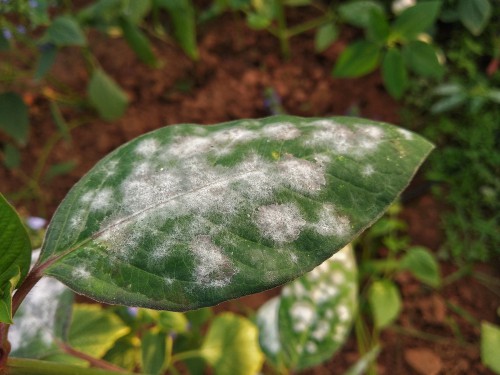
[189,216]
[312,317]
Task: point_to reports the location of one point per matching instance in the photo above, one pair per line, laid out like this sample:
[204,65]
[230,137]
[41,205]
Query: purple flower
[36,223]
[33,3]
[7,33]
[133,311]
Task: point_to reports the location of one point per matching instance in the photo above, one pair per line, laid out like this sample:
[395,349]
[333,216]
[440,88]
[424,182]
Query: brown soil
[235,68]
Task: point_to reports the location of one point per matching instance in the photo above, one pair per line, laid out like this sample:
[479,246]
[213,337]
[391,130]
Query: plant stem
[282,30]
[29,282]
[94,362]
[185,355]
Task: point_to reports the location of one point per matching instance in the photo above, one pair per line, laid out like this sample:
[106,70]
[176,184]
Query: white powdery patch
[281,223]
[311,347]
[321,331]
[330,223]
[281,131]
[369,137]
[408,135]
[147,147]
[36,317]
[343,313]
[235,135]
[267,319]
[102,199]
[81,272]
[161,251]
[367,170]
[76,220]
[142,169]
[337,278]
[188,146]
[109,168]
[302,175]
[303,315]
[213,268]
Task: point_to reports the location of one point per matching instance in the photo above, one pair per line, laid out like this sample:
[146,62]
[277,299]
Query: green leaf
[94,330]
[59,169]
[46,60]
[185,216]
[58,118]
[15,247]
[377,28]
[137,10]
[11,156]
[183,20]
[357,59]
[137,41]
[106,96]
[394,73]
[65,31]
[125,353]
[422,59]
[14,116]
[153,349]
[490,346]
[325,36]
[4,42]
[231,346]
[312,317]
[416,19]
[14,275]
[474,14]
[423,265]
[358,13]
[362,365]
[32,334]
[449,103]
[385,302]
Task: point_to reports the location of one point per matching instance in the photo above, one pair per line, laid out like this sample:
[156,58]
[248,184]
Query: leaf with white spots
[312,317]
[188,216]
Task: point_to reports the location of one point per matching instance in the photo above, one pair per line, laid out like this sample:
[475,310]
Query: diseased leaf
[385,302]
[188,216]
[358,59]
[231,346]
[106,96]
[312,317]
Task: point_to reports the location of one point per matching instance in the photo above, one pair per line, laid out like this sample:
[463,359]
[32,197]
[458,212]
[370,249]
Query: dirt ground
[229,82]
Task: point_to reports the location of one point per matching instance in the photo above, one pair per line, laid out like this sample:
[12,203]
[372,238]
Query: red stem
[94,362]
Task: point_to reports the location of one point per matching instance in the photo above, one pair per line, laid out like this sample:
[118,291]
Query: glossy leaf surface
[189,216]
[311,318]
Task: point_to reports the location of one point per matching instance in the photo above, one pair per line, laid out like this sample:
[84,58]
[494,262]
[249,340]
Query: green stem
[457,275]
[22,366]
[94,362]
[185,355]
[282,29]
[309,25]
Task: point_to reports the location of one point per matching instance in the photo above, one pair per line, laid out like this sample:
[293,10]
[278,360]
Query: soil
[229,82]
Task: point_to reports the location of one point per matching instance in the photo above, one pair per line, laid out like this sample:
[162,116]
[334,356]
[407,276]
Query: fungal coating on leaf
[303,315]
[302,175]
[330,223]
[281,131]
[281,223]
[268,317]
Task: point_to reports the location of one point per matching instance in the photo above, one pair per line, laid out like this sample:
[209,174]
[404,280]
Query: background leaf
[474,14]
[185,216]
[416,19]
[137,41]
[12,277]
[423,265]
[231,346]
[14,116]
[358,13]
[106,96]
[422,59]
[65,31]
[394,73]
[357,59]
[385,302]
[325,36]
[490,346]
[153,350]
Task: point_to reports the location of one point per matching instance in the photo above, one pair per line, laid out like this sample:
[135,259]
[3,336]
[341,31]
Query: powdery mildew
[267,318]
[147,147]
[281,131]
[303,315]
[281,223]
[302,175]
[331,223]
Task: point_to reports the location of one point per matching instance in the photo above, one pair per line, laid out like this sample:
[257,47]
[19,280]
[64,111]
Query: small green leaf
[137,10]
[15,247]
[182,15]
[94,330]
[153,349]
[231,346]
[125,353]
[172,322]
[45,60]
[474,14]
[358,13]
[357,59]
[449,103]
[423,265]
[325,36]
[11,156]
[180,218]
[106,96]
[422,59]
[312,317]
[258,21]
[385,302]
[362,365]
[378,27]
[490,346]
[416,19]
[14,116]
[65,31]
[58,118]
[137,41]
[394,73]
[59,169]
[14,275]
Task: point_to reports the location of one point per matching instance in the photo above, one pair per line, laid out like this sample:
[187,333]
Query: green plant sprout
[188,216]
